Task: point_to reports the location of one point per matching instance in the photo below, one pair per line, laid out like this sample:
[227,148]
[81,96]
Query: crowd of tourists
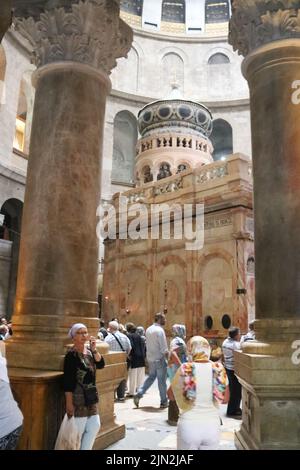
[194,378]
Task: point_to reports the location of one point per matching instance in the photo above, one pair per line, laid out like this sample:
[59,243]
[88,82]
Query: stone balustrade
[166,141]
[236,166]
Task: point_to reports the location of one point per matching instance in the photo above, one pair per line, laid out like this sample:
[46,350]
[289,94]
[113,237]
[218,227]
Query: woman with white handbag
[80,366]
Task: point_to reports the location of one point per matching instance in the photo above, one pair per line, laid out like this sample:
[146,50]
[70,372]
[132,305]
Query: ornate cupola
[174,138]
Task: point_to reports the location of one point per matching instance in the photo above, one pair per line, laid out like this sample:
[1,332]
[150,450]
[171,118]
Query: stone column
[268,35]
[75,47]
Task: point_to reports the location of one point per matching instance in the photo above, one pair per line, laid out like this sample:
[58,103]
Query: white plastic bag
[68,437]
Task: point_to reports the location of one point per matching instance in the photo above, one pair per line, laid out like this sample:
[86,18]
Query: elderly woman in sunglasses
[80,365]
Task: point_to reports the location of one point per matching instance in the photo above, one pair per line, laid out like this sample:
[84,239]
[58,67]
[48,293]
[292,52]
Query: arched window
[172,72]
[164,171]
[173,11]
[127,67]
[10,230]
[217,11]
[124,147]
[19,140]
[135,7]
[221,138]
[218,59]
[182,167]
[147,174]
[2,74]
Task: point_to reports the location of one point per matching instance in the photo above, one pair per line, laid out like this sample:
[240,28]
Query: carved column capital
[255,23]
[86,31]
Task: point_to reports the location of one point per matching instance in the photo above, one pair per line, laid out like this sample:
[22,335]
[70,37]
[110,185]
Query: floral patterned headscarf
[179,330]
[199,349]
[184,384]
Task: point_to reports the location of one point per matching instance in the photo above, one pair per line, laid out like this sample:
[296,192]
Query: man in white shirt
[250,336]
[231,344]
[157,354]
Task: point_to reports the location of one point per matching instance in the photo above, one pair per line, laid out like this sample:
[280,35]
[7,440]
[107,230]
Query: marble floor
[147,427]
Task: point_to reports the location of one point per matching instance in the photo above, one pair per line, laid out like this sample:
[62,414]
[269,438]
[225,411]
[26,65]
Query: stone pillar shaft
[75,46]
[59,250]
[276,171]
[268,35]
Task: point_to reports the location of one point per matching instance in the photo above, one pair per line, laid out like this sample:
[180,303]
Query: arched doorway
[10,230]
[222,139]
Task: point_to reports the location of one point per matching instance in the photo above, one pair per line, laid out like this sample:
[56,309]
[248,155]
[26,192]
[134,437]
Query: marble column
[268,35]
[74,47]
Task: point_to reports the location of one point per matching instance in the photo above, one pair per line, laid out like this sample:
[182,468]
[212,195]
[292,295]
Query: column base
[271,402]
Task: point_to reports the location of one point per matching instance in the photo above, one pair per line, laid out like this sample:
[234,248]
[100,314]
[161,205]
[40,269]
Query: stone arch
[170,289]
[184,163]
[216,276]
[124,65]
[222,139]
[124,147]
[219,62]
[134,293]
[24,113]
[218,58]
[10,233]
[172,71]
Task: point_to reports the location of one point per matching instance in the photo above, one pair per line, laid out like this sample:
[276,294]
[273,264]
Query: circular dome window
[164,112]
[202,118]
[147,116]
[185,112]
[226,321]
[208,322]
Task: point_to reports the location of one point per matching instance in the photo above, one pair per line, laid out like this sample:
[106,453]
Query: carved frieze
[258,22]
[89,32]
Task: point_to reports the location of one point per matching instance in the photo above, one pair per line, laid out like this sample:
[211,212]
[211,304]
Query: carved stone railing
[173,141]
[167,186]
[213,172]
[235,167]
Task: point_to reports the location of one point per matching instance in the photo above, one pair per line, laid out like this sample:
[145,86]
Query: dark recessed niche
[226,321]
[208,322]
[185,112]
[201,117]
[147,116]
[165,112]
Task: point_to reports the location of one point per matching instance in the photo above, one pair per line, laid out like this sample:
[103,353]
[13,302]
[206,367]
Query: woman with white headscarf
[198,387]
[80,366]
[11,418]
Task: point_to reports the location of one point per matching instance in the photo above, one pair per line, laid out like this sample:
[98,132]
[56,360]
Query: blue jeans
[157,369]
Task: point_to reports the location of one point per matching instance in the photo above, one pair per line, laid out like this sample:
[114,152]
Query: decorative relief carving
[212,174]
[174,185]
[258,22]
[89,32]
[217,222]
